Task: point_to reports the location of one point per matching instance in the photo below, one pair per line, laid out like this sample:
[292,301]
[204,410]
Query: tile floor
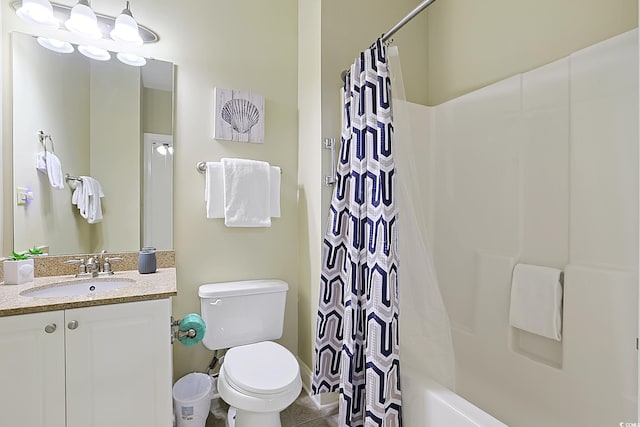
[302,413]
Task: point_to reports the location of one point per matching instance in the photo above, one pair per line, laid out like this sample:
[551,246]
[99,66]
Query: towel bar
[68,178]
[202,167]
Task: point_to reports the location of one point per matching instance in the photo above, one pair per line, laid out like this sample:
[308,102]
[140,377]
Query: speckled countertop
[161,284]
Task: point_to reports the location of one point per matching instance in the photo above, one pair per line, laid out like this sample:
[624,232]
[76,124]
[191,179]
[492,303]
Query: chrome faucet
[97,265]
[93,266]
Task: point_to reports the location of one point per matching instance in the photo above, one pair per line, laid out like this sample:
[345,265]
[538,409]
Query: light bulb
[126,29]
[94,52]
[83,21]
[164,149]
[131,59]
[55,45]
[39,12]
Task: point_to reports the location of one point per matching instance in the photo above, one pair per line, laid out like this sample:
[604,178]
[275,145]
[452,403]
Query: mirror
[106,120]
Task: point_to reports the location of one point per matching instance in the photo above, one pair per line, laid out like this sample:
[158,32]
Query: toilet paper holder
[177,333]
[183,331]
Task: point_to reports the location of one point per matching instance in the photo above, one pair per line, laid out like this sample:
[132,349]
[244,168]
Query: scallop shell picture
[239,116]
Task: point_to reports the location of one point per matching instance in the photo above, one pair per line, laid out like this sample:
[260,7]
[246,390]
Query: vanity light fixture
[44,13]
[164,149]
[126,28]
[83,21]
[55,45]
[94,52]
[39,12]
[131,59]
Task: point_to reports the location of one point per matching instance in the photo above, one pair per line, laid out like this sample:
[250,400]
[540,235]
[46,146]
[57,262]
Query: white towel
[274,191]
[214,190]
[536,300]
[49,164]
[87,197]
[246,193]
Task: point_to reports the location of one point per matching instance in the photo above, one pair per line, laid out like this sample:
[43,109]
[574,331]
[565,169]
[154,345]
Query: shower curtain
[357,343]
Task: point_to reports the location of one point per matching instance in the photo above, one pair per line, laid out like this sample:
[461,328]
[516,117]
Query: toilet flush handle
[216,302]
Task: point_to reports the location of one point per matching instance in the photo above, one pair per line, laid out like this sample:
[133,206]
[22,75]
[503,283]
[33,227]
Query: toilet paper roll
[195,322]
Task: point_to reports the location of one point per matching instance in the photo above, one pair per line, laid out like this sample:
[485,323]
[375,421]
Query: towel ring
[43,140]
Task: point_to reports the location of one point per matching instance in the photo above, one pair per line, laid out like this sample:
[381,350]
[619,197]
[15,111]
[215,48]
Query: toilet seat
[262,369]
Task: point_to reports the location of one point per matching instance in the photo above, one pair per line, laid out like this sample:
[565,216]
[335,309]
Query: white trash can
[192,399]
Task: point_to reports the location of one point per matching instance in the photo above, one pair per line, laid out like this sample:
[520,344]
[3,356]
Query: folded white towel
[536,300]
[246,193]
[87,197]
[274,191]
[48,163]
[214,190]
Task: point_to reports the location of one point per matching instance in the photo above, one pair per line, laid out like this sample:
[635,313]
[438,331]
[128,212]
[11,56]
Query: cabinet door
[119,365]
[32,382]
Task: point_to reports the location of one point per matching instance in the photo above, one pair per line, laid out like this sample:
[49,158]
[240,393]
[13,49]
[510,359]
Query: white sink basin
[77,287]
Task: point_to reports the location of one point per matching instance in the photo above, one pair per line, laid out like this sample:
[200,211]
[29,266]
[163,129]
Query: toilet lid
[263,368]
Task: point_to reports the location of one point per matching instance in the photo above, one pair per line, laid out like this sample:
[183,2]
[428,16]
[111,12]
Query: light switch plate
[23,195]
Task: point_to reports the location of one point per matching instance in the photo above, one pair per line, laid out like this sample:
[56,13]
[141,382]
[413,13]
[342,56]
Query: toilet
[258,378]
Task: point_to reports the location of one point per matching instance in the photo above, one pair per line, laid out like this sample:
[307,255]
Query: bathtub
[425,403]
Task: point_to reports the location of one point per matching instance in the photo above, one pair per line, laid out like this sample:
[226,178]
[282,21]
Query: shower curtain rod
[387,36]
[419,8]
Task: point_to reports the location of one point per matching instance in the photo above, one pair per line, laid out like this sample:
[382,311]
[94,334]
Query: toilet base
[239,418]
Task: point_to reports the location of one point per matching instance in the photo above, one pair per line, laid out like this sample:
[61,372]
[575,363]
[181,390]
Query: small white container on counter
[17,272]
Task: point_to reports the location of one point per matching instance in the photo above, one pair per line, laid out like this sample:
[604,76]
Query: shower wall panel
[542,168]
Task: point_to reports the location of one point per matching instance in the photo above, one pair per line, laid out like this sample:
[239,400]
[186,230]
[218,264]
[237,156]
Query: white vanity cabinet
[100,366]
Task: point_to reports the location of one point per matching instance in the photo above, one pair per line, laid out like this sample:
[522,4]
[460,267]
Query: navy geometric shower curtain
[357,347]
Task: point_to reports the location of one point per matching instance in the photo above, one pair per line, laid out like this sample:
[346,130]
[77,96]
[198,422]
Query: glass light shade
[126,30]
[164,149]
[83,22]
[55,45]
[39,12]
[93,52]
[131,59]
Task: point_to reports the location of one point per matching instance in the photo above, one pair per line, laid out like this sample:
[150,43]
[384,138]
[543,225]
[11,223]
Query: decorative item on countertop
[18,269]
[36,251]
[147,260]
[190,330]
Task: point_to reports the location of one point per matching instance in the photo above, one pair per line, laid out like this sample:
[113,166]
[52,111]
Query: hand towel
[274,191]
[87,197]
[214,190]
[49,164]
[536,300]
[246,193]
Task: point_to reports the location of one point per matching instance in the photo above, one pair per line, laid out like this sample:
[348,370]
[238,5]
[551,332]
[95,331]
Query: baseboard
[323,400]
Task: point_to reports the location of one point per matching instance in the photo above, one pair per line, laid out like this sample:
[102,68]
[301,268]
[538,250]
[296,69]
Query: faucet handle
[106,266]
[82,268]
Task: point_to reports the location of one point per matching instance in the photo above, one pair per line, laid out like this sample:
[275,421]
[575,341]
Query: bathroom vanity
[89,360]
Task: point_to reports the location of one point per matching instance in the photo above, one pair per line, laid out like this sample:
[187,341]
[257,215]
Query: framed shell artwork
[239,116]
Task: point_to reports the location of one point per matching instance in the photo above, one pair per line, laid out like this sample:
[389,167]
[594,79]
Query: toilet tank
[238,313]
